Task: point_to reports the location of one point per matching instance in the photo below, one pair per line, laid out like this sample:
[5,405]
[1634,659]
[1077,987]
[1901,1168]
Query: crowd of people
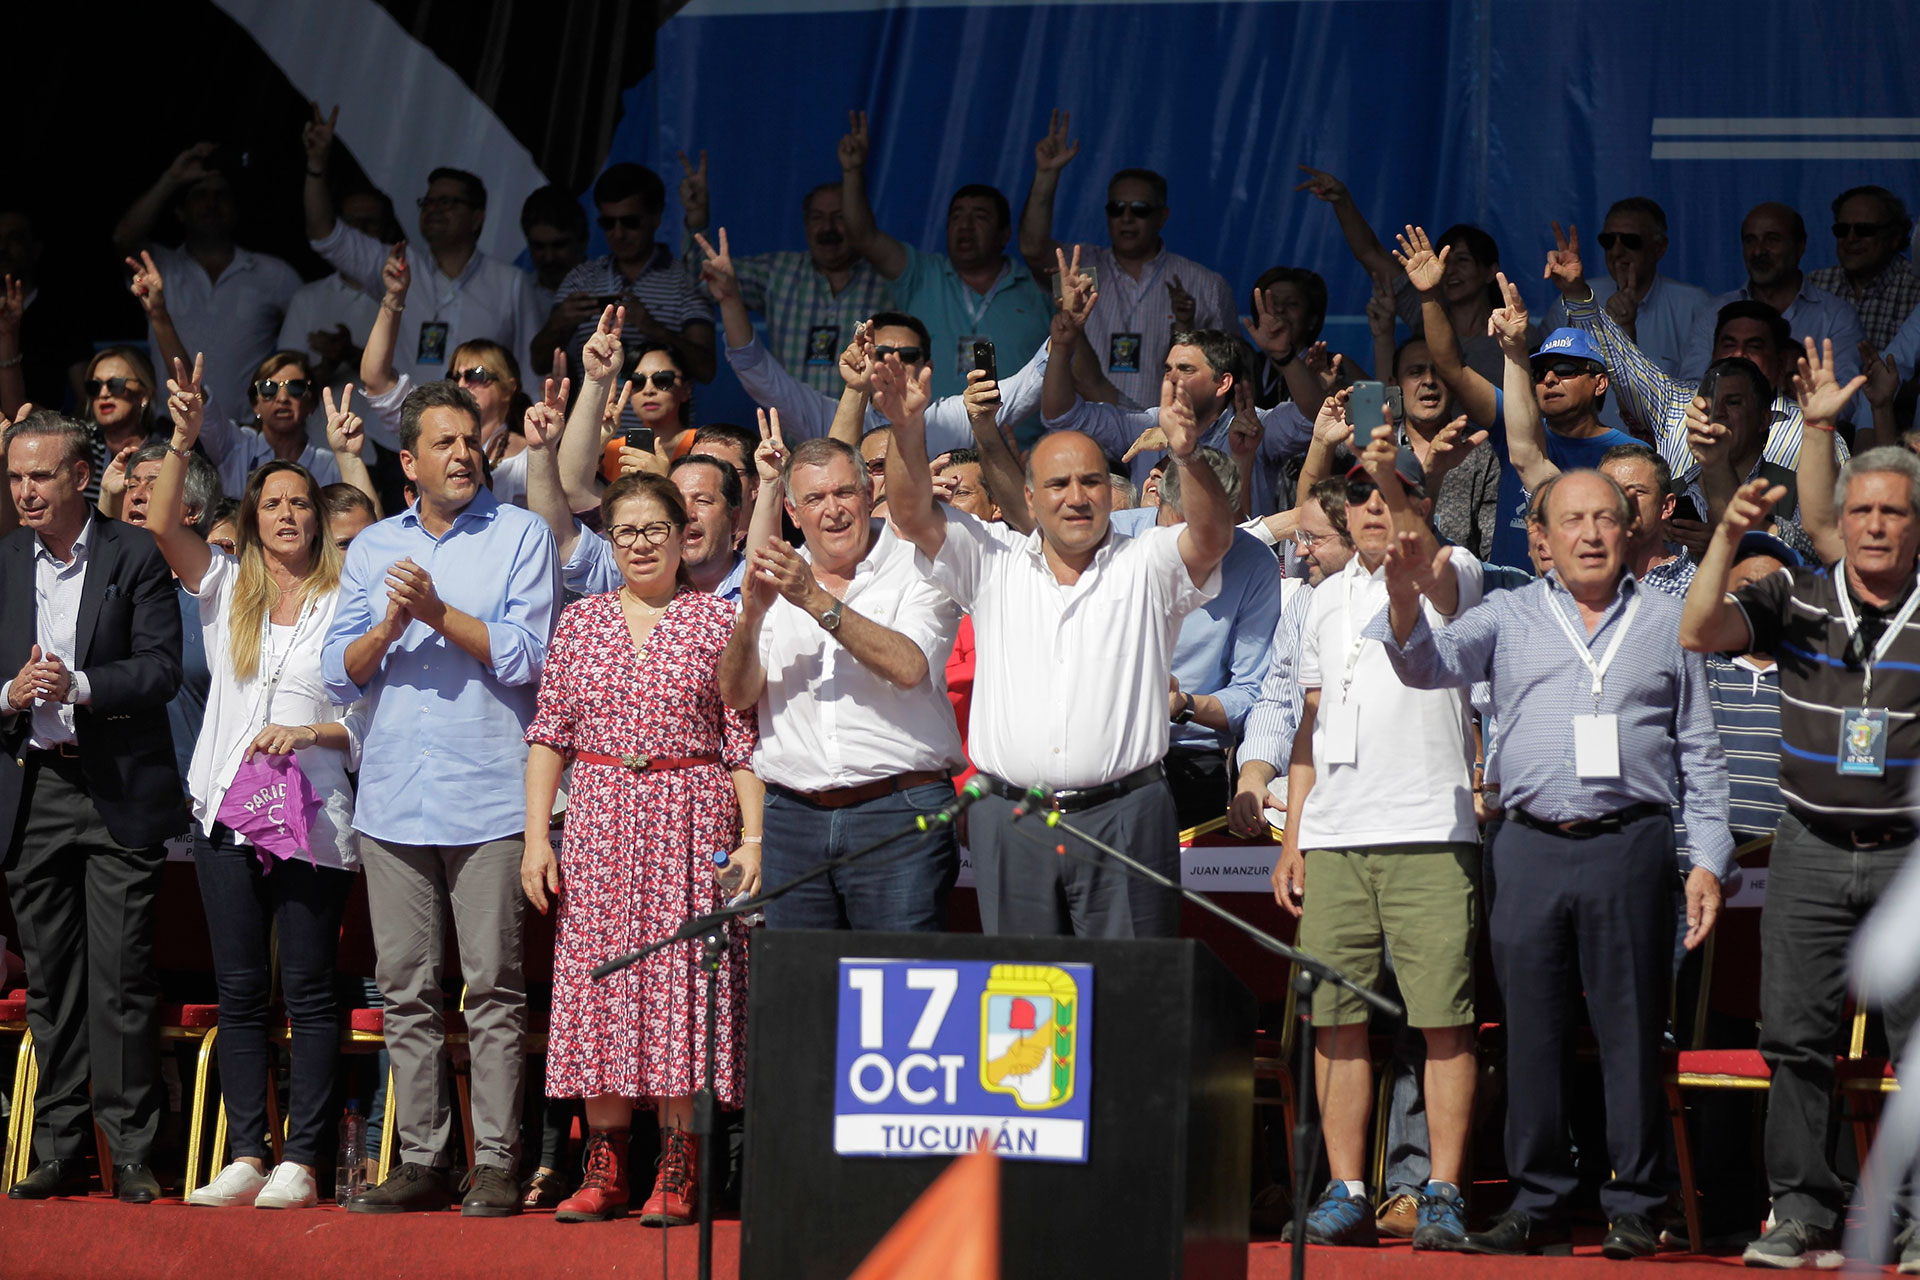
[432,571]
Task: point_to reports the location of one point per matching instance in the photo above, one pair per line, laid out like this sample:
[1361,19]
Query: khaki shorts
[1418,902]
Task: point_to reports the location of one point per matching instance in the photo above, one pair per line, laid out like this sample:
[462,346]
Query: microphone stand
[710,931]
[1308,974]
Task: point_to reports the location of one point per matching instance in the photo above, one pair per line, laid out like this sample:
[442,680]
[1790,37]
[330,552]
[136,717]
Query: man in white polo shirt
[843,648]
[1074,627]
[1380,801]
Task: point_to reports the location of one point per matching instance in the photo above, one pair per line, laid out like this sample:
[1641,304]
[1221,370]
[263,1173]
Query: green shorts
[1420,903]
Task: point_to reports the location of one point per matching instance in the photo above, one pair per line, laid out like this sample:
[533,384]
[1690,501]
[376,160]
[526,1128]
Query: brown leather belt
[842,797]
[644,764]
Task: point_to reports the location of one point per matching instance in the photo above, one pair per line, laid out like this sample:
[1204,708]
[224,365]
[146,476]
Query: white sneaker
[290,1187]
[237,1184]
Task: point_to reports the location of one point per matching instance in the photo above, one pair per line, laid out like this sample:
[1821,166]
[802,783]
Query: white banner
[875,1135]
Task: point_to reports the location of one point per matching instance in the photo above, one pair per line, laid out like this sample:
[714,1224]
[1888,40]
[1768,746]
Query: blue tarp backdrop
[1507,114]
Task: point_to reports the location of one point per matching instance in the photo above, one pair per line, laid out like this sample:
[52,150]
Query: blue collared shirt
[445,751]
[592,569]
[1222,649]
[1657,689]
[1275,716]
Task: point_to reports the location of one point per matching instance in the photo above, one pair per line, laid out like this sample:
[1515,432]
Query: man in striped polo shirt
[1849,659]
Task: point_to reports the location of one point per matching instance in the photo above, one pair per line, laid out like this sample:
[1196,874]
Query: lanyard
[1145,291]
[441,304]
[1599,669]
[977,304]
[1895,626]
[1356,642]
[266,647]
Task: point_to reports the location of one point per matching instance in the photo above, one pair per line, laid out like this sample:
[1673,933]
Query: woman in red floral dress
[630,697]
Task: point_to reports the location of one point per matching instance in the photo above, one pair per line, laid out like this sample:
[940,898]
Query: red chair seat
[13,1007]
[1745,1063]
[1865,1068]
[373,1021]
[192,1017]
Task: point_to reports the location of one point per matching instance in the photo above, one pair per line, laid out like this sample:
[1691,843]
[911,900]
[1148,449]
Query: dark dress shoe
[1631,1236]
[135,1184]
[1515,1233]
[53,1178]
[411,1188]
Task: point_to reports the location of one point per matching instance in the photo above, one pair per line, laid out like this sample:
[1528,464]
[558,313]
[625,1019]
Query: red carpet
[102,1239]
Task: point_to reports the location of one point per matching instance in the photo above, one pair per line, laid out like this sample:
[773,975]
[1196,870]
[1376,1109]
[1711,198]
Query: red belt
[644,764]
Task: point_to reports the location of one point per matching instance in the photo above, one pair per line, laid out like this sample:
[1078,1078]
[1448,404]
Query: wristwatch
[830,620]
[1186,709]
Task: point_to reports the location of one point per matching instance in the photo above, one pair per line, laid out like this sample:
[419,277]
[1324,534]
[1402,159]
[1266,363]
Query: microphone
[1035,798]
[954,808]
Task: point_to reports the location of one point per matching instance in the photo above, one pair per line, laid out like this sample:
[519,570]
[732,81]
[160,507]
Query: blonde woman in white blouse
[265,610]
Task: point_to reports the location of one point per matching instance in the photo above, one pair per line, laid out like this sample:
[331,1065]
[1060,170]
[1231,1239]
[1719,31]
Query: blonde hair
[254,592]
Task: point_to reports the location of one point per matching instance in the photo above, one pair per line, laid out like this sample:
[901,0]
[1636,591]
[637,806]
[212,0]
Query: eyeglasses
[1857,230]
[625,535]
[443,202]
[1121,208]
[1563,369]
[662,379]
[908,355]
[1631,241]
[477,376]
[624,221]
[1308,541]
[296,388]
[112,386]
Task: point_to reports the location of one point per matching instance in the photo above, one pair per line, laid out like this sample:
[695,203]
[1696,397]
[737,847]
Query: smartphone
[1684,509]
[606,300]
[983,359]
[640,438]
[1710,391]
[1363,412]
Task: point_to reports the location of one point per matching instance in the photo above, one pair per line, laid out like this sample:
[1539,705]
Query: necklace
[627,597]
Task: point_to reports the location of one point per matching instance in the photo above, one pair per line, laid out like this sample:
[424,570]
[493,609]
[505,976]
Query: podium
[1168,1101]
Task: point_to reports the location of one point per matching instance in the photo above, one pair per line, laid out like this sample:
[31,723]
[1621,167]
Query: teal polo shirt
[1016,315]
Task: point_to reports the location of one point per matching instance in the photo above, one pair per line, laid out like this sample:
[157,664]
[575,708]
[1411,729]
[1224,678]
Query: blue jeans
[900,887]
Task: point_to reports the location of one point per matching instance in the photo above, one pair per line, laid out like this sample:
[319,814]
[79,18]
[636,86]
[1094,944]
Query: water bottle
[730,874]
[350,1179]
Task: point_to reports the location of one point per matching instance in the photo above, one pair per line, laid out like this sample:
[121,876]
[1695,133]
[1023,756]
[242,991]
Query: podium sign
[932,1055]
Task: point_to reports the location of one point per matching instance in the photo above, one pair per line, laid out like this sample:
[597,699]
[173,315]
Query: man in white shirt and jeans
[1380,822]
[843,648]
[1074,628]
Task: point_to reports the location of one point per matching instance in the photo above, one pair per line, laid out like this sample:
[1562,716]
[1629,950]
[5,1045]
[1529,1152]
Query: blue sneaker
[1339,1218]
[1443,1220]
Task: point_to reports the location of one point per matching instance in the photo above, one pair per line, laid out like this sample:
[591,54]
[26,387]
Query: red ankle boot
[672,1201]
[605,1193]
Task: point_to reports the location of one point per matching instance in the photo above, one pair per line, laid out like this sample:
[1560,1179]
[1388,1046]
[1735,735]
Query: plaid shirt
[800,306]
[1884,305]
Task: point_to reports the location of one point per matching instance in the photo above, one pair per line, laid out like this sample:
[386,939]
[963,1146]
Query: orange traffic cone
[952,1232]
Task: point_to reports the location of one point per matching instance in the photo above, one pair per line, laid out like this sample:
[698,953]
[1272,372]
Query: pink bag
[272,804]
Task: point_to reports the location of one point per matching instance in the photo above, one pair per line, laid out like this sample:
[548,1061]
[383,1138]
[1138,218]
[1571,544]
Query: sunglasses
[1360,491]
[1857,230]
[908,355]
[624,221]
[267,388]
[113,386]
[443,202]
[1121,208]
[625,535]
[1563,369]
[475,376]
[662,379]
[1628,239]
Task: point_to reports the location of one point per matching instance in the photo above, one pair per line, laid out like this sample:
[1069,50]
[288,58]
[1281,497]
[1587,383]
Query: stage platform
[101,1239]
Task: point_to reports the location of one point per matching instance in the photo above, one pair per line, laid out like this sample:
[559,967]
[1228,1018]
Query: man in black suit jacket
[89,791]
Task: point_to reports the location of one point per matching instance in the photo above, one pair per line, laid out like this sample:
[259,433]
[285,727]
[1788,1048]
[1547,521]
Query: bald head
[1072,449]
[1068,492]
[1772,238]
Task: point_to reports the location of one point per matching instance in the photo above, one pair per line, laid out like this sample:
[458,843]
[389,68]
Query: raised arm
[186,553]
[743,678]
[724,286]
[850,415]
[1275,339]
[149,290]
[1365,246]
[1077,297]
[13,382]
[1330,431]
[580,443]
[1425,269]
[902,397]
[316,201]
[1005,478]
[1822,400]
[1883,385]
[1381,317]
[543,425]
[347,437]
[888,256]
[134,231]
[1050,155]
[1207,534]
[1711,622]
[1526,432]
[377,374]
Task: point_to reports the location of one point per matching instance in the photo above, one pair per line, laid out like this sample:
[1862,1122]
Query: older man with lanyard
[1075,625]
[1585,861]
[1849,664]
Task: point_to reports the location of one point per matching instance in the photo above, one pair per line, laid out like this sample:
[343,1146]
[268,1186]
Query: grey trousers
[409,888]
[1027,888]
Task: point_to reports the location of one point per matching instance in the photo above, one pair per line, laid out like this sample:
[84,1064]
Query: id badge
[1596,746]
[1863,742]
[963,354]
[1342,743]
[1123,353]
[823,346]
[433,343]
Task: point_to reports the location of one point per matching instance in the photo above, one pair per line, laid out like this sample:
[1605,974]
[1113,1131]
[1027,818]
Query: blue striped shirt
[1275,716]
[1657,689]
[1746,706]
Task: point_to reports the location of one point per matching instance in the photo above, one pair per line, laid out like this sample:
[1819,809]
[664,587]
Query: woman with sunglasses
[488,371]
[631,696]
[659,397]
[119,395]
[265,612]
